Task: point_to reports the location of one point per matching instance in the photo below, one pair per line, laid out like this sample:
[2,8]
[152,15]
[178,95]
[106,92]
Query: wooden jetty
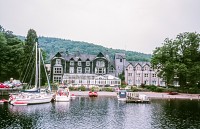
[136,98]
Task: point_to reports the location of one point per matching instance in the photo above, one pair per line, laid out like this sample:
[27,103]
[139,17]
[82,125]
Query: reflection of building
[138,73]
[82,69]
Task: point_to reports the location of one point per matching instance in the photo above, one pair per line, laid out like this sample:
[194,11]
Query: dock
[136,98]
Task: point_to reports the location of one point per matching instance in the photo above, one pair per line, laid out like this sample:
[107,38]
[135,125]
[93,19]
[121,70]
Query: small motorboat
[93,94]
[122,94]
[62,94]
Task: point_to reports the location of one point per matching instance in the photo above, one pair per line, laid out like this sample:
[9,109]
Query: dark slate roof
[134,63]
[83,57]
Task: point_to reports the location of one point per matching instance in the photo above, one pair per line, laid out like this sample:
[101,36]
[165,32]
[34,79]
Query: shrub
[82,88]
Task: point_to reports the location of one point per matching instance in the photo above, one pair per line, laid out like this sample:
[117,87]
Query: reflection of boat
[73,96]
[35,95]
[62,94]
[93,94]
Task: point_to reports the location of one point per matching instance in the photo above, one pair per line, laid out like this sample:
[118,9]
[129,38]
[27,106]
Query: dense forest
[53,45]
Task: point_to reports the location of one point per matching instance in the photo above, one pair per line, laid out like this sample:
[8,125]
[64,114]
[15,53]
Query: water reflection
[102,113]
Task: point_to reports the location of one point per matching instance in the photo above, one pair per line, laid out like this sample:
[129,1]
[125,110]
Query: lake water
[103,113]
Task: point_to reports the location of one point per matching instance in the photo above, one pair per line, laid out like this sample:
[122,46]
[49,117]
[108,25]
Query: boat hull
[62,98]
[30,99]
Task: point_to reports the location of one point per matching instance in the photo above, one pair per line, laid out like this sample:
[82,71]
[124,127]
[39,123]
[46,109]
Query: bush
[134,89]
[109,89]
[82,88]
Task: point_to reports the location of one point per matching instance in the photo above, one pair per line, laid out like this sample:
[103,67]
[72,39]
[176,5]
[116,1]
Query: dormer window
[72,63]
[120,60]
[58,61]
[79,63]
[100,64]
[87,63]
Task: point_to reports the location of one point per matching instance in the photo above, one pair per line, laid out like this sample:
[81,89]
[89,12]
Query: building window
[71,70]
[154,82]
[154,75]
[100,63]
[57,70]
[129,74]
[145,68]
[79,63]
[58,61]
[87,70]
[112,70]
[87,63]
[100,70]
[79,70]
[138,74]
[57,79]
[146,75]
[72,63]
[120,60]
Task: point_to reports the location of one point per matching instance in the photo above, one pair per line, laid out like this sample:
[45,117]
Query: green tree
[179,58]
[10,57]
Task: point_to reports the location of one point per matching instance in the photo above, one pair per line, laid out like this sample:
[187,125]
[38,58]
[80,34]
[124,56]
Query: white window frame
[57,78]
[57,70]
[87,63]
[79,63]
[71,69]
[58,61]
[72,63]
[87,70]
[79,69]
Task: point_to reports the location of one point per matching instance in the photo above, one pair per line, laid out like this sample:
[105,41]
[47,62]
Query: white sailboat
[35,95]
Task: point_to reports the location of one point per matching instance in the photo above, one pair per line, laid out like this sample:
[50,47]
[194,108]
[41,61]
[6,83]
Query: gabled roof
[142,64]
[100,55]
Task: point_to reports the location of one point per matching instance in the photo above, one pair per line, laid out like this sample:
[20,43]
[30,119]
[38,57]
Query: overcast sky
[136,25]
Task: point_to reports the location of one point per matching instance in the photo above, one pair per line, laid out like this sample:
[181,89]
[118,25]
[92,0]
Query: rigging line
[28,63]
[27,73]
[31,79]
[45,72]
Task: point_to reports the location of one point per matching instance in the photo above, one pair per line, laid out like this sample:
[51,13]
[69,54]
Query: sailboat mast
[36,66]
[39,71]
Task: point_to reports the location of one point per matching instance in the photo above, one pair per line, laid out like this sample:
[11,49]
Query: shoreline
[151,95]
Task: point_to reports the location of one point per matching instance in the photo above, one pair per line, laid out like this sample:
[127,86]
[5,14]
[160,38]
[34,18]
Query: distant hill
[53,45]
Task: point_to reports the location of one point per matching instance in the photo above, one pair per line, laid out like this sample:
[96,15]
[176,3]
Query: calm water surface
[103,113]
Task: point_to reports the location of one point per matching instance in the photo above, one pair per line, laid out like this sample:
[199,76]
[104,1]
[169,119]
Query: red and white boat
[3,101]
[93,94]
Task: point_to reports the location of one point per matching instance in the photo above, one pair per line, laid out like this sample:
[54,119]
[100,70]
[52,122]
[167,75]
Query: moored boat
[93,94]
[62,94]
[3,101]
[35,95]
[122,94]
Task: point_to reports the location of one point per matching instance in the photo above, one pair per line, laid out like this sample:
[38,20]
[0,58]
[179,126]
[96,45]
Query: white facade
[142,73]
[90,80]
